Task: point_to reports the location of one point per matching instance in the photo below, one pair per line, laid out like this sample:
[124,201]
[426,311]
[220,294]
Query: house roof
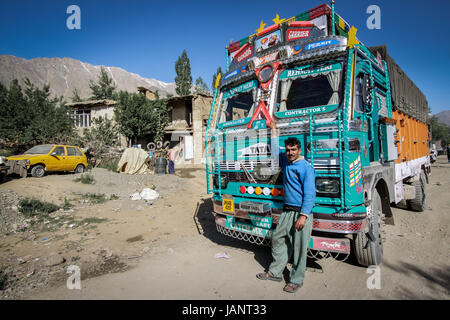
[141,89]
[92,103]
[189,97]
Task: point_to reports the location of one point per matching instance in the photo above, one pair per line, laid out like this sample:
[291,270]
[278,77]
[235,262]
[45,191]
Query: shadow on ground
[206,226]
[436,280]
[187,172]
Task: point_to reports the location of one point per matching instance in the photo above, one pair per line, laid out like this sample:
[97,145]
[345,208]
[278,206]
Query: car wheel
[38,171]
[79,168]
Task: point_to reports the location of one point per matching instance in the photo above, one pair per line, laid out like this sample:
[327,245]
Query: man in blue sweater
[293,231]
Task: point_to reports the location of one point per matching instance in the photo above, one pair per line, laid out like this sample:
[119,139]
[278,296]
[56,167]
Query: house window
[82,118]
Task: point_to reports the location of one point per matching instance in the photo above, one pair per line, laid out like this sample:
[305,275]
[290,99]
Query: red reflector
[282,192]
[242,189]
[301,24]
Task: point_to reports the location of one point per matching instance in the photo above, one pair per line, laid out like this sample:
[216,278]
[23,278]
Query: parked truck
[360,120]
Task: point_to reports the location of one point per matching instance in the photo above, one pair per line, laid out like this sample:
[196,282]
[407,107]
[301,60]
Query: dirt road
[416,262]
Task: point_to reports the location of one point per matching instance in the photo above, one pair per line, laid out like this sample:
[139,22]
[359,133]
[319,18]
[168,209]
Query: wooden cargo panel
[412,137]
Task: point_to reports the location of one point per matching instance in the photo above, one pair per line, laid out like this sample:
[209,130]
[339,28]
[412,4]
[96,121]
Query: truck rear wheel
[368,245]
[419,202]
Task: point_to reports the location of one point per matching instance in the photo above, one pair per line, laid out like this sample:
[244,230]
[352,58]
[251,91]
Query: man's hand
[300,223]
[273,124]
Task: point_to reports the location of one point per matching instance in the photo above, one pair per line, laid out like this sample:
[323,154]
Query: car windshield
[41,149]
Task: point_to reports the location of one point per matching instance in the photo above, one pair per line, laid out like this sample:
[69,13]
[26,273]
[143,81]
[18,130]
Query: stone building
[186,131]
[85,111]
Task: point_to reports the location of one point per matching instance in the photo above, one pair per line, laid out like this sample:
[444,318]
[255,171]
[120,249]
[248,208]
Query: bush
[66,205]
[95,198]
[110,165]
[33,207]
[85,179]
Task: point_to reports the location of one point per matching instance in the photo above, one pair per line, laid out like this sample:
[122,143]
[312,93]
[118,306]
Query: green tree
[439,131]
[219,71]
[201,86]
[75,96]
[183,80]
[103,133]
[104,88]
[138,116]
[32,117]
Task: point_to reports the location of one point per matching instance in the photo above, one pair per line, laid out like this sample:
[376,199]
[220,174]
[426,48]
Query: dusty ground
[165,251]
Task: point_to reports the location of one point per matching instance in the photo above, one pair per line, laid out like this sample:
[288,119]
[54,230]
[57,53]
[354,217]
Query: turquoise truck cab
[323,86]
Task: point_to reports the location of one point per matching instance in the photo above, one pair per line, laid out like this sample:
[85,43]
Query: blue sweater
[299,182]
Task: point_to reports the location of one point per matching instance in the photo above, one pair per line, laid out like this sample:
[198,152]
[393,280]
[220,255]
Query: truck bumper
[248,232]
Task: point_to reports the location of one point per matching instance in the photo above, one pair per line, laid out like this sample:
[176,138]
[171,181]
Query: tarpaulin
[406,97]
[134,161]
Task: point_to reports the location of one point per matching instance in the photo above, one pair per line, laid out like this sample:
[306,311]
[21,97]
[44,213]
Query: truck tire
[38,171]
[368,245]
[79,168]
[419,202]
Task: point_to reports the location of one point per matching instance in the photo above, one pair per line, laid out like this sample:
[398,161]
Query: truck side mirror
[366,90]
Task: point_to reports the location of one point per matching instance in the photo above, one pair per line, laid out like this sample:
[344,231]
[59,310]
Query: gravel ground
[29,262]
[10,220]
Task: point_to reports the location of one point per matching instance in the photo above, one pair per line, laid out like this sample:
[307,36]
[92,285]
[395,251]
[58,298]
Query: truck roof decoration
[299,38]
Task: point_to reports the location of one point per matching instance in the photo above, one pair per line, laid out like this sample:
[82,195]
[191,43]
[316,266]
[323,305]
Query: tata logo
[258,149]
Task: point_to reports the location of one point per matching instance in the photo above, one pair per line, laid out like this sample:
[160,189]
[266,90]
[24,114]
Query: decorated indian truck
[360,120]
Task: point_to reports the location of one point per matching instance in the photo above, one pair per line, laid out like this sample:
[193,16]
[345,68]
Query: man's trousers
[286,241]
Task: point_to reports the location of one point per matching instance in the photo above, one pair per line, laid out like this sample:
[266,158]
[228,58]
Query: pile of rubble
[11,221]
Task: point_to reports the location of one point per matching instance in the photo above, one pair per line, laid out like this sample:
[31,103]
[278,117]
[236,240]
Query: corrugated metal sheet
[406,97]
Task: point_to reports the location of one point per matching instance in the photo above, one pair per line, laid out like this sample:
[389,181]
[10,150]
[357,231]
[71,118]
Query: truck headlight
[327,185]
[27,161]
[223,181]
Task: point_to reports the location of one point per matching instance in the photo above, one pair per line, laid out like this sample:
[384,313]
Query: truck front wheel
[368,244]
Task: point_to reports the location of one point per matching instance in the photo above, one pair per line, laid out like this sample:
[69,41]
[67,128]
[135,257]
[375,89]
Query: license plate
[228,205]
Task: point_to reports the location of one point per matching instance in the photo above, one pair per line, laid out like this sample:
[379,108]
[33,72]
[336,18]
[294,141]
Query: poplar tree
[183,80]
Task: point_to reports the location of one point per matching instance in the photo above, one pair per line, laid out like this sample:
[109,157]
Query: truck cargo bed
[406,97]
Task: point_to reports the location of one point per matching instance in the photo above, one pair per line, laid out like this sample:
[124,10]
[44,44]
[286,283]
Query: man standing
[448,152]
[293,231]
[171,157]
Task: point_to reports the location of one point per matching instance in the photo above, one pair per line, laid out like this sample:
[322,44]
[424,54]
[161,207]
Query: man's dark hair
[292,141]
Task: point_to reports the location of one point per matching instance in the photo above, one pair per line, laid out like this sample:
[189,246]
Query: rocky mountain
[444,117]
[66,74]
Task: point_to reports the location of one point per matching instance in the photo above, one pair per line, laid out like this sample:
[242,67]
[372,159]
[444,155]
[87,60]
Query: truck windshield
[237,106]
[40,149]
[308,91]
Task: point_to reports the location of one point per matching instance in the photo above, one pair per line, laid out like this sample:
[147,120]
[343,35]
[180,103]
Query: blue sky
[146,37]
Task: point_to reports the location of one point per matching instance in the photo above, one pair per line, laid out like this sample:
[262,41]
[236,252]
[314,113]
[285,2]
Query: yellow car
[48,157]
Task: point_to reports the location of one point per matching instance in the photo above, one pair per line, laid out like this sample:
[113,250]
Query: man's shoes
[292,287]
[268,276]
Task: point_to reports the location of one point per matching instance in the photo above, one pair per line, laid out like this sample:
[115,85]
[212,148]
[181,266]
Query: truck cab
[323,86]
